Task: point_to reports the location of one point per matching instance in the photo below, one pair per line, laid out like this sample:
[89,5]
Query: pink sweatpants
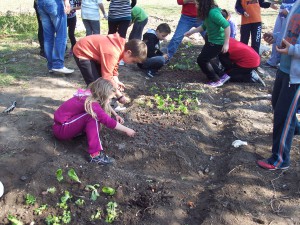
[78,124]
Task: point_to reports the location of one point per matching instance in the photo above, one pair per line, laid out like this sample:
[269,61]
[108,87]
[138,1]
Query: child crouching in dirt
[84,112]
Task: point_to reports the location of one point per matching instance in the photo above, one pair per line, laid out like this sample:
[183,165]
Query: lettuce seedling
[14,220]
[79,202]
[73,175]
[52,220]
[97,215]
[51,190]
[30,199]
[108,190]
[59,175]
[111,212]
[66,217]
[66,197]
[93,188]
[40,209]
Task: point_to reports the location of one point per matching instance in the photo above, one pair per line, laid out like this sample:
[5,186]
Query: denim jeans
[91,26]
[185,23]
[54,22]
[137,30]
[153,63]
[278,31]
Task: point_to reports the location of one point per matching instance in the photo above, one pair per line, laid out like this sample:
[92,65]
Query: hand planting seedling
[14,220]
[40,210]
[108,190]
[30,199]
[59,175]
[94,190]
[73,175]
[97,215]
[111,212]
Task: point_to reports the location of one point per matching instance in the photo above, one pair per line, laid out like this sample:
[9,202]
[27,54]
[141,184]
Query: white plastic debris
[1,189]
[238,143]
[119,108]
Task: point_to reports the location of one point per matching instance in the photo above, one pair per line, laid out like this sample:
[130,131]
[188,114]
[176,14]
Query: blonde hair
[101,90]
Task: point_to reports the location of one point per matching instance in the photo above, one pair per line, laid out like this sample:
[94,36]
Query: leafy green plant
[66,217]
[72,174]
[79,202]
[111,212]
[64,199]
[52,220]
[59,175]
[40,209]
[108,190]
[51,190]
[94,190]
[14,220]
[97,215]
[30,199]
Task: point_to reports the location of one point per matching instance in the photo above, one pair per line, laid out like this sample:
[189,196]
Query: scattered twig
[234,169]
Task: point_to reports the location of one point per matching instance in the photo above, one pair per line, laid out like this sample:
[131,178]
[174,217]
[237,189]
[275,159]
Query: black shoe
[256,78]
[42,54]
[102,159]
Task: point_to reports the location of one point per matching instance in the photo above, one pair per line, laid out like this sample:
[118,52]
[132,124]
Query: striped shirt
[120,9]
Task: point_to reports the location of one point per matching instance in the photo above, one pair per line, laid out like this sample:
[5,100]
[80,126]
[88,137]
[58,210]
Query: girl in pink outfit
[84,112]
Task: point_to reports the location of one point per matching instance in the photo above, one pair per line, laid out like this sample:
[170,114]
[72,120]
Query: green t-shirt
[138,14]
[214,25]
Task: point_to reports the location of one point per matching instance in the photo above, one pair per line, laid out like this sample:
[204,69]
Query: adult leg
[95,24]
[245,33]
[137,30]
[88,27]
[89,69]
[275,56]
[185,23]
[40,29]
[123,27]
[154,63]
[256,36]
[71,30]
[285,120]
[209,52]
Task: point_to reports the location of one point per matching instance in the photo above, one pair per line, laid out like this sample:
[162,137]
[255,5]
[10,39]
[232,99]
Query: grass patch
[6,79]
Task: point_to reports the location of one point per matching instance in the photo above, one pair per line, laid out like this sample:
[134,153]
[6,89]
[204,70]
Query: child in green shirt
[139,19]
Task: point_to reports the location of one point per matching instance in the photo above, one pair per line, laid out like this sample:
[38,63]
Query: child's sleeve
[150,42]
[133,3]
[180,2]
[239,8]
[264,4]
[219,19]
[102,116]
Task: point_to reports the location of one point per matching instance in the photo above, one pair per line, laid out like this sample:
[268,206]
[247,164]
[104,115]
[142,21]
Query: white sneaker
[64,70]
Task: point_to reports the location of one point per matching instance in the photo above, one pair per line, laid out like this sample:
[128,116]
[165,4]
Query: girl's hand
[130,132]
[121,86]
[284,48]
[225,47]
[119,119]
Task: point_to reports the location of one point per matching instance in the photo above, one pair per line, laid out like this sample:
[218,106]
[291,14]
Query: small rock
[23,178]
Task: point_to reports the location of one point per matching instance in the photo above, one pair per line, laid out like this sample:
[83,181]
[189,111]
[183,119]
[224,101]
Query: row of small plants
[65,200]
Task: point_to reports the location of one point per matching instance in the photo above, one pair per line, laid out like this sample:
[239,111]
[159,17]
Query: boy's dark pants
[71,22]
[89,69]
[153,63]
[40,28]
[118,26]
[255,30]
[209,52]
[137,30]
[285,102]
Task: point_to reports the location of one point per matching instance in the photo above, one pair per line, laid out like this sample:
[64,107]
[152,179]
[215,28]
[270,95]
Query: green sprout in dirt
[14,220]
[52,220]
[40,209]
[59,175]
[51,190]
[79,202]
[94,190]
[108,190]
[111,212]
[30,199]
[97,215]
[73,175]
[66,217]
[64,199]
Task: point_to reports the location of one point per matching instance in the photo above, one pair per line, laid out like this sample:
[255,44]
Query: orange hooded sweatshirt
[107,50]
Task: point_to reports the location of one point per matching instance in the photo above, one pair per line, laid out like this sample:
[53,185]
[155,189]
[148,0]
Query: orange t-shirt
[107,50]
[252,7]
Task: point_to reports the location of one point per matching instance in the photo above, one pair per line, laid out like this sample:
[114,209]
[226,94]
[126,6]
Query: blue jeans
[285,102]
[185,23]
[91,26]
[153,63]
[137,30]
[54,22]
[278,31]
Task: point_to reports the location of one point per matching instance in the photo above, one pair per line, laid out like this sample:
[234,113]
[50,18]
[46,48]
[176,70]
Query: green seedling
[108,190]
[52,220]
[111,212]
[94,190]
[14,220]
[40,209]
[79,202]
[73,175]
[97,215]
[30,199]
[66,217]
[51,190]
[59,175]
[66,197]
